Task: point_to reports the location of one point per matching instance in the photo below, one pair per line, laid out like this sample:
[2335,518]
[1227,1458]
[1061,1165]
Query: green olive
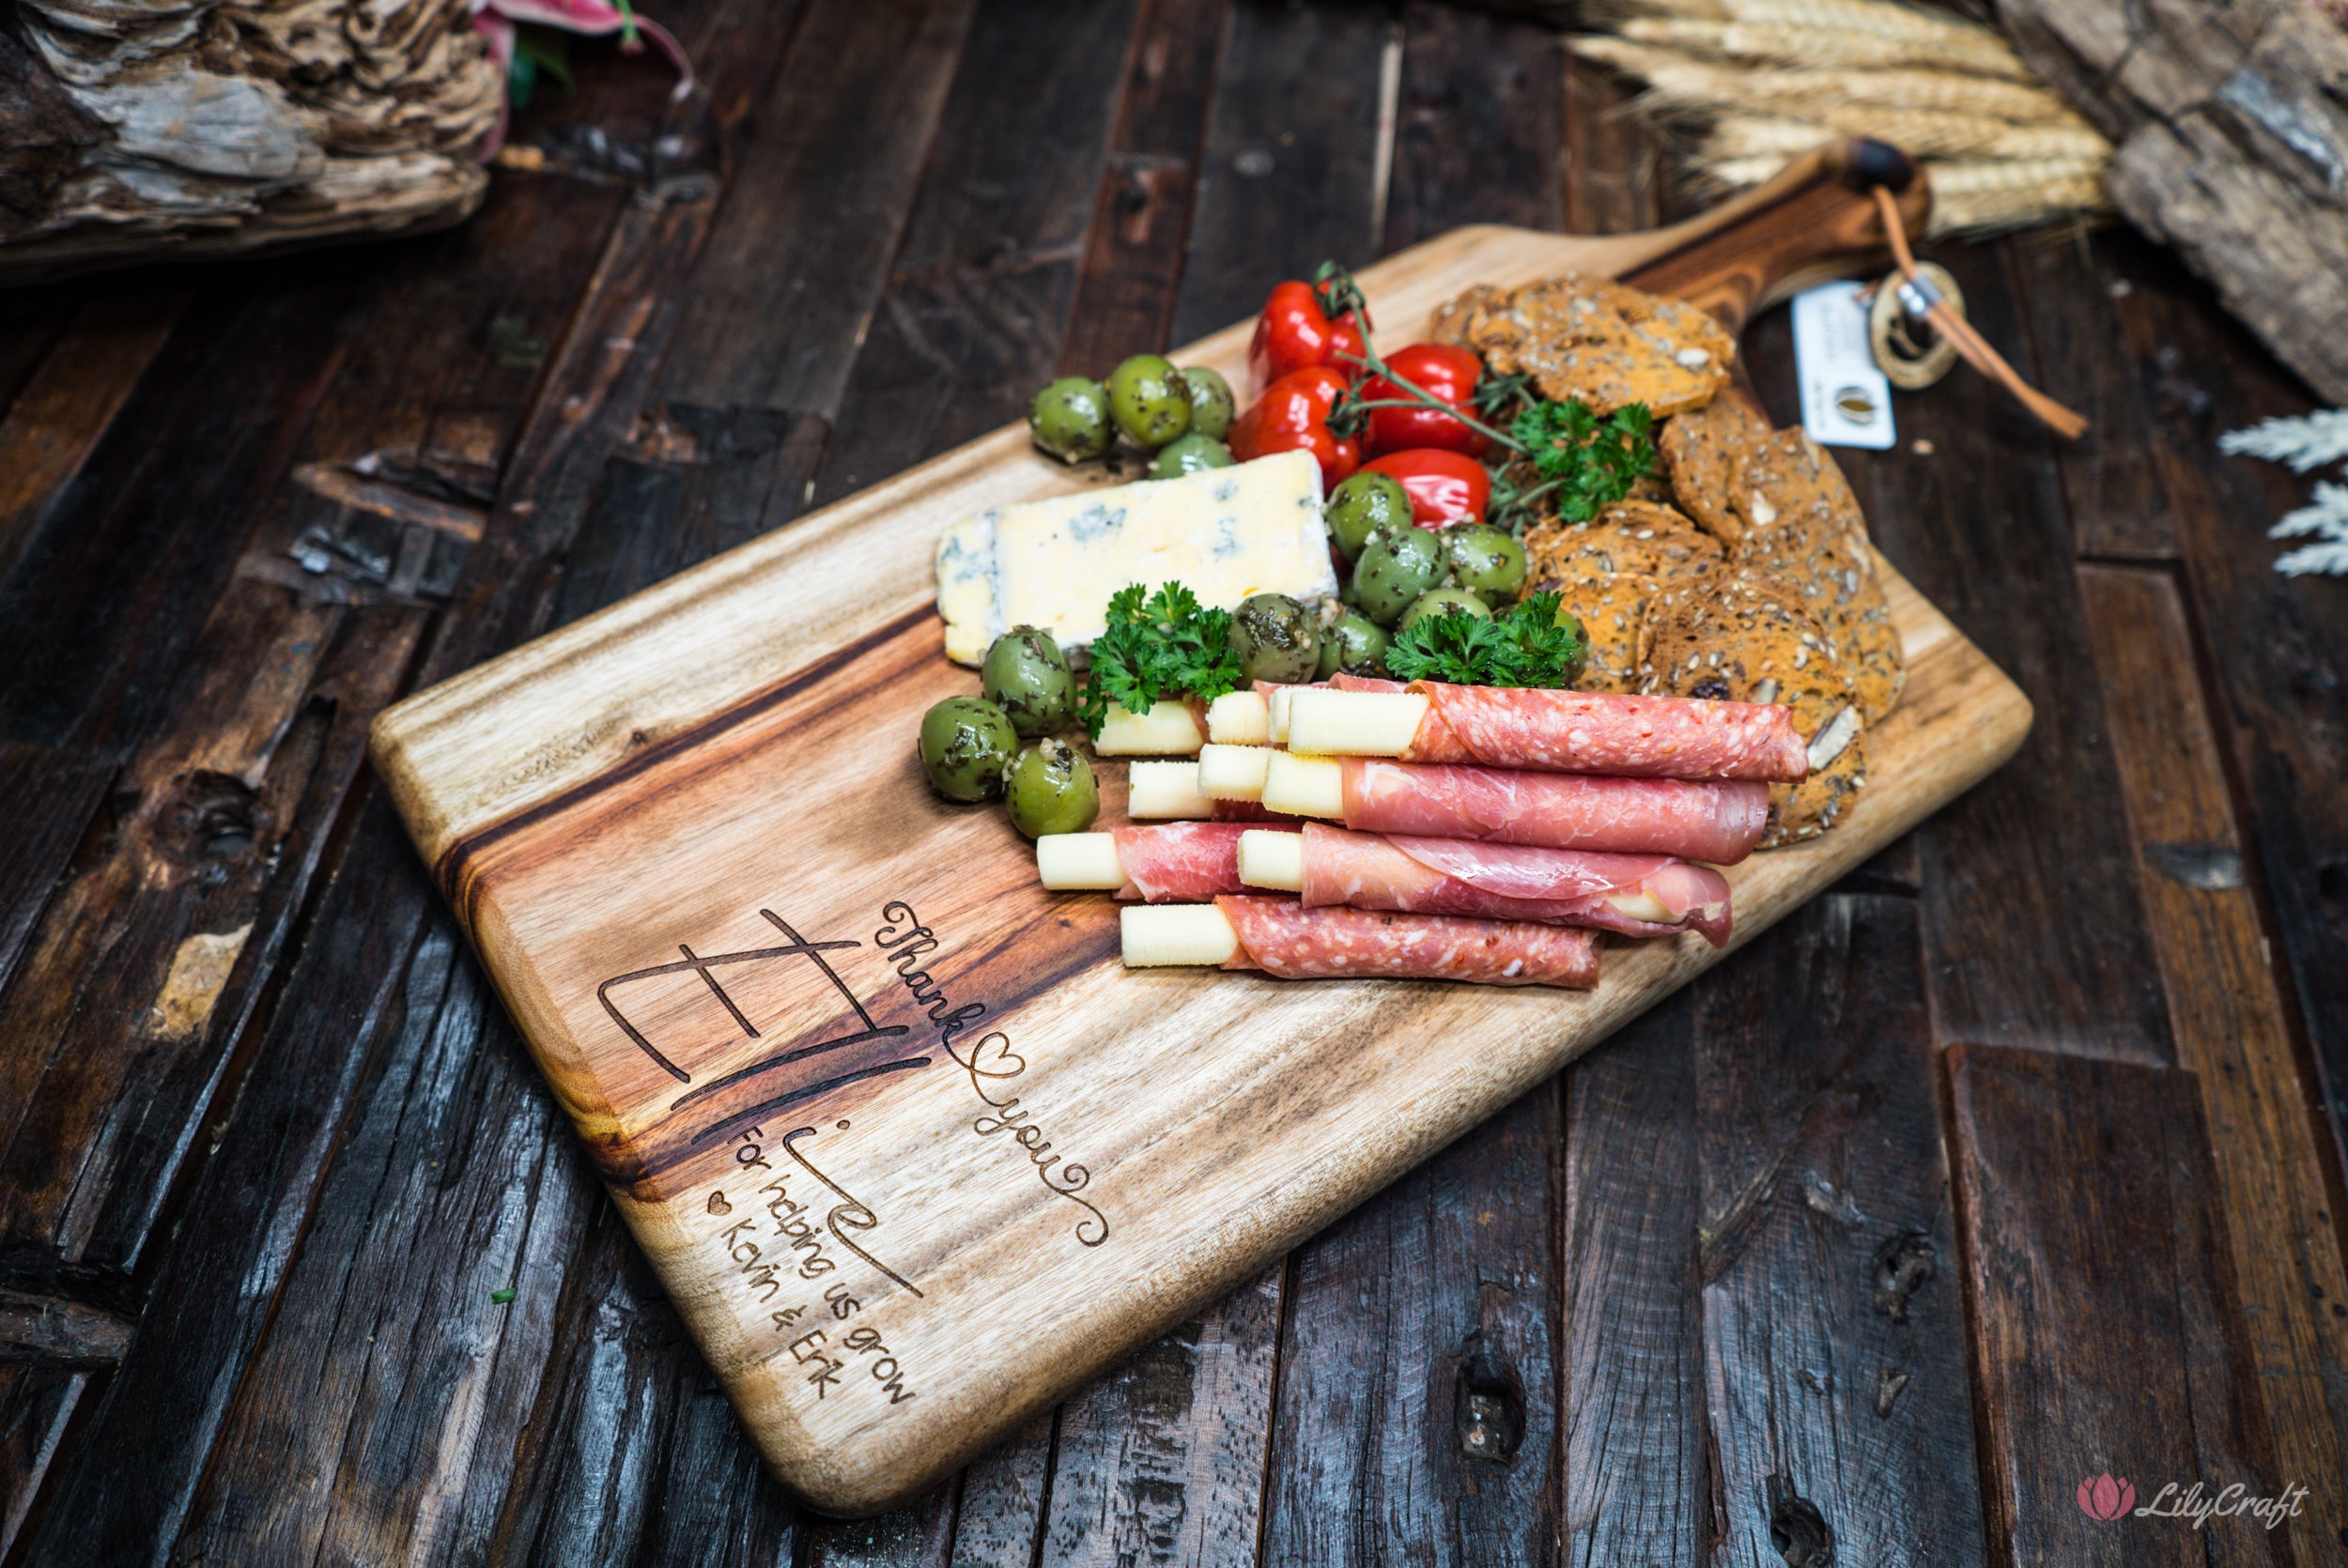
[1212,406]
[1149,400]
[1484,561]
[1396,566]
[966,745]
[1275,638]
[1070,420]
[1028,677]
[1052,791]
[1353,643]
[1364,504]
[1189,455]
[1581,644]
[1445,600]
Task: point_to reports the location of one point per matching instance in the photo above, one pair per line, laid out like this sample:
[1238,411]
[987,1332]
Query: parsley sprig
[1529,645]
[1592,466]
[1160,646]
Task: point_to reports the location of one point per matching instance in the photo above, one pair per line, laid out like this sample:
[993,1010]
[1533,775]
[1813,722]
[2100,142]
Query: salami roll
[1186,863]
[1552,731]
[1283,938]
[1638,894]
[1716,822]
[1583,732]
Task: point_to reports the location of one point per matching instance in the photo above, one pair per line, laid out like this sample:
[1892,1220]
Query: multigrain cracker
[1608,345]
[1748,639]
[1701,452]
[1803,528]
[1605,571]
[1450,322]
[1787,480]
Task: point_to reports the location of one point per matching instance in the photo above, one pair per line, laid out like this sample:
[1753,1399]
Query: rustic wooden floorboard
[276,1125]
[1287,178]
[2264,1117]
[1636,1486]
[969,322]
[2276,648]
[2109,1339]
[1834,1365]
[1140,225]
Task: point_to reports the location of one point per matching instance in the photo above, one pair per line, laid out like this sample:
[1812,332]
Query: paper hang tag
[1846,400]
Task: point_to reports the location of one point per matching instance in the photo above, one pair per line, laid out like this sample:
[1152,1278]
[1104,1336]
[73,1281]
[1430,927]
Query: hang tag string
[1919,297]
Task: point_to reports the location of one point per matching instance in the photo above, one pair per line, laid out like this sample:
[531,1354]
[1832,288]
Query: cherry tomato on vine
[1306,324]
[1441,371]
[1294,415]
[1444,486]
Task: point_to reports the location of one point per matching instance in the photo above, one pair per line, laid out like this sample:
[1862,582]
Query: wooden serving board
[912,1151]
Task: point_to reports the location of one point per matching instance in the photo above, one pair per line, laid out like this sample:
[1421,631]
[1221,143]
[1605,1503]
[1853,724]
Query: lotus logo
[2102,1498]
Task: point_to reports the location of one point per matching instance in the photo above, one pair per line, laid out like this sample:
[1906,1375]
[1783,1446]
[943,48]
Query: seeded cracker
[1605,572]
[1815,539]
[1450,322]
[1609,346]
[1701,451]
[1748,639]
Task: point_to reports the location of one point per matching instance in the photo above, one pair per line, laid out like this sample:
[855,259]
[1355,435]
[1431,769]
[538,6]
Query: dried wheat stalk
[1769,79]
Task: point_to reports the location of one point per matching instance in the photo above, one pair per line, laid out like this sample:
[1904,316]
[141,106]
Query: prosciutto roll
[1554,731]
[1718,821]
[1283,938]
[1178,862]
[1639,895]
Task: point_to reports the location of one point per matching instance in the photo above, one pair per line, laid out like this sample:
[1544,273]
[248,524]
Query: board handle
[1816,220]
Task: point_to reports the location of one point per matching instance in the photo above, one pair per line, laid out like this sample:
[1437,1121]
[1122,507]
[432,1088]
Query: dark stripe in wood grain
[2106,1333]
[459,876]
[998,1515]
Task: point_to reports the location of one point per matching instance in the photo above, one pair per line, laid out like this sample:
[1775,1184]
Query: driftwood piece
[2232,129]
[134,129]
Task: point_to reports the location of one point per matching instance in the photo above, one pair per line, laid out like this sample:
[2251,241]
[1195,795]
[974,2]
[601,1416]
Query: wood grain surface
[885,1263]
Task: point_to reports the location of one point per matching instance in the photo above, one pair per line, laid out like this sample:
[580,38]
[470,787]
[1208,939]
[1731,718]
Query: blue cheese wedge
[1224,533]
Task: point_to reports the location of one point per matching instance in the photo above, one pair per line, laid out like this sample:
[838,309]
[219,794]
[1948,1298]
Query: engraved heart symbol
[717,1203]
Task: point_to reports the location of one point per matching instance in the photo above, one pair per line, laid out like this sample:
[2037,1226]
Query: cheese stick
[1551,731]
[1233,772]
[1169,728]
[1284,938]
[1240,718]
[1159,790]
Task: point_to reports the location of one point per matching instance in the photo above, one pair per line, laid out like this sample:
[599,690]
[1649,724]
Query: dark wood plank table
[2007,1164]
